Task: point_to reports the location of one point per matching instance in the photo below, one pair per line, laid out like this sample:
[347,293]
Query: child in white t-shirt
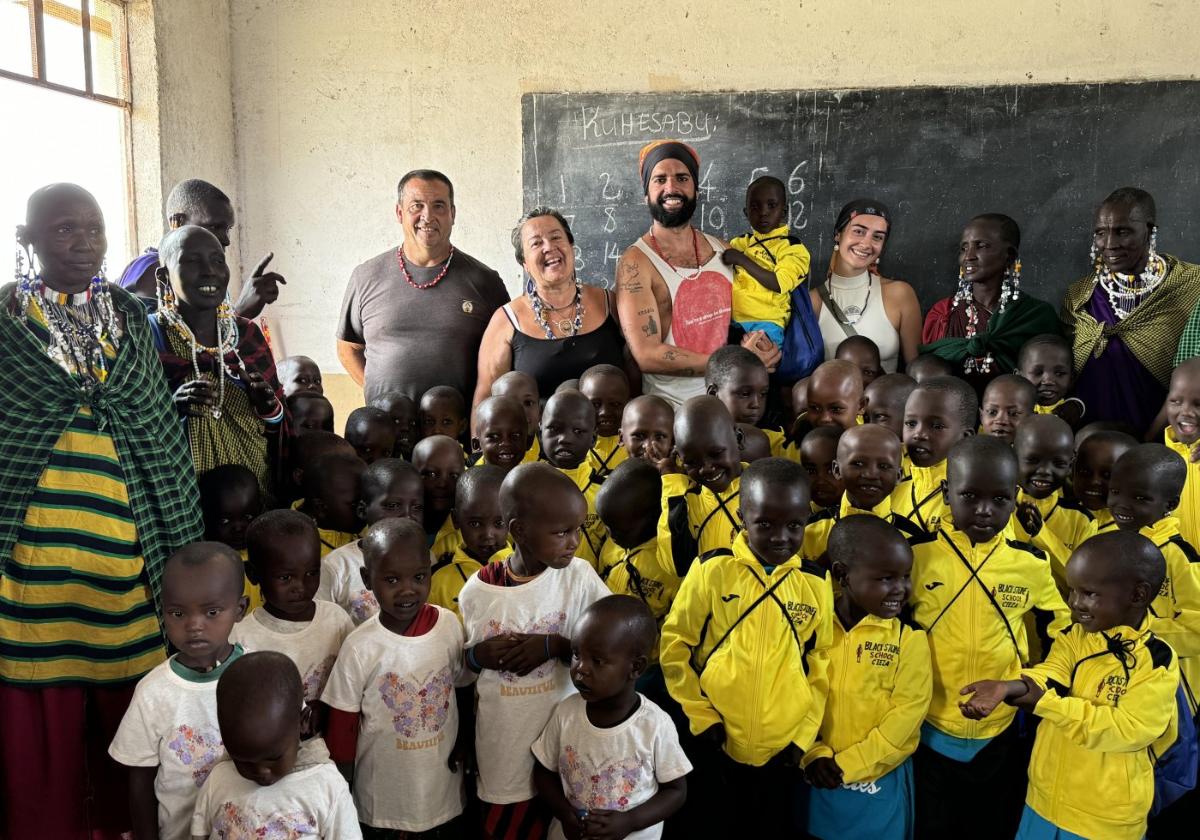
[519,615]
[284,560]
[389,488]
[393,708]
[269,784]
[169,738]
[609,761]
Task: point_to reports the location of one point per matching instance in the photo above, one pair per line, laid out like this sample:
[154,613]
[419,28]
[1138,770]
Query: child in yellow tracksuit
[568,433]
[1183,438]
[768,263]
[739,379]
[939,413]
[1045,448]
[745,652]
[1106,697]
[972,588]
[482,535]
[699,506]
[1095,455]
[880,687]
[1143,495]
[607,388]
[628,505]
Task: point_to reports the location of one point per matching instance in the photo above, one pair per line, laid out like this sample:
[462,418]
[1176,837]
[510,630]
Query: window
[64,90]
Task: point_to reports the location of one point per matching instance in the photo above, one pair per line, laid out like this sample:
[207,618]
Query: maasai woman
[95,493]
[1127,315]
[856,300]
[981,328]
[218,364]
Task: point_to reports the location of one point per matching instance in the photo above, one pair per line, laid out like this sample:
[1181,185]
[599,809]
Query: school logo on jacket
[1112,688]
[881,654]
[1010,596]
[800,612]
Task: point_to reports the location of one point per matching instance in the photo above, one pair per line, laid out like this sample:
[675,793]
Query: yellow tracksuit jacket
[1110,697]
[446,541]
[594,532]
[1065,524]
[639,572]
[959,592]
[751,650]
[1189,503]
[451,571]
[919,498]
[606,455]
[880,685]
[816,532]
[775,252]
[695,520]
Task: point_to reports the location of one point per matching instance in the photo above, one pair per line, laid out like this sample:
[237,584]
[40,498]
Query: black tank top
[552,361]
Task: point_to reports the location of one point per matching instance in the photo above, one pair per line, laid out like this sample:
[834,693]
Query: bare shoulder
[897,290]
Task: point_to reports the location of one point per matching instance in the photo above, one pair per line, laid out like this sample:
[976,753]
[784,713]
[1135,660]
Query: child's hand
[607,825]
[527,653]
[1030,518]
[732,256]
[1194,456]
[988,695]
[189,395]
[572,826]
[493,653]
[1033,693]
[260,392]
[824,773]
[463,754]
[664,462]
[1071,411]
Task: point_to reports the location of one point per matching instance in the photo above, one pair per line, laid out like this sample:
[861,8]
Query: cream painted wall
[182,119]
[336,98]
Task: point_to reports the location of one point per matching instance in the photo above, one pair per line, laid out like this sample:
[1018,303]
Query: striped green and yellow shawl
[38,400]
[1151,332]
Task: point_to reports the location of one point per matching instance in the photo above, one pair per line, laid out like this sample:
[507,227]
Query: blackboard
[1044,154]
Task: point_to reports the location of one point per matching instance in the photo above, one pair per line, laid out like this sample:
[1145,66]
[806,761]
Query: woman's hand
[260,392]
[192,395]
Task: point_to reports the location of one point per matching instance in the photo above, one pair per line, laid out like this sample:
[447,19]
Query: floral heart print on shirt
[547,625]
[315,679]
[417,710]
[197,748]
[363,605]
[602,788]
[700,312]
[231,823]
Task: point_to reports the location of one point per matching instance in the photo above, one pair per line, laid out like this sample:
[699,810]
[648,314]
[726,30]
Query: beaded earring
[1010,290]
[1152,252]
[962,294]
[163,290]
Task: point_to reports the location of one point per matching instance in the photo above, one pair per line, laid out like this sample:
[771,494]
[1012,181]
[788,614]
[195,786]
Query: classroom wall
[334,99]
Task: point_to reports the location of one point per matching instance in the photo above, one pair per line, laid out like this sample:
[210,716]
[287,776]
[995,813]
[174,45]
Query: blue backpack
[803,348]
[1175,769]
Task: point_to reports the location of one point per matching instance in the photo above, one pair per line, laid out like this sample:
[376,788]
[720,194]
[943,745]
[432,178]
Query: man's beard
[676,218]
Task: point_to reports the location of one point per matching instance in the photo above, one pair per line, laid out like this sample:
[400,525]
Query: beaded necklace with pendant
[228,337]
[79,326]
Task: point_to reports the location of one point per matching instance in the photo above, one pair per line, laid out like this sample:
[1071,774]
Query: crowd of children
[868,605]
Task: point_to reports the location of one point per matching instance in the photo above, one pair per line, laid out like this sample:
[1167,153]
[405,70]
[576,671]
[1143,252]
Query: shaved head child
[388,489]
[885,400]
[860,769]
[443,411]
[939,413]
[1047,361]
[753,443]
[299,375]
[284,561]
[1054,522]
[927,366]
[1095,456]
[835,394]
[700,504]
[229,500]
[310,413]
[818,455]
[394,711]
[972,587]
[864,353]
[440,462]
[648,431]
[592,733]
[1007,400]
[729,682]
[568,434]
[607,388]
[481,531]
[1103,716]
[372,433]
[403,412]
[169,738]
[524,389]
[1182,436]
[272,783]
[520,615]
[501,434]
[740,381]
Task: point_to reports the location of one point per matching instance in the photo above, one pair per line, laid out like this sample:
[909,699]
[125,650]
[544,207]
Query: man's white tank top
[701,307]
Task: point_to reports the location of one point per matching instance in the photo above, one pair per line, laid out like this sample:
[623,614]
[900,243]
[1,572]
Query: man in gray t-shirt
[413,316]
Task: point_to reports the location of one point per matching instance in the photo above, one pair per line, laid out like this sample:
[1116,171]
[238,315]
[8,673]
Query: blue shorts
[881,809]
[773,331]
[1036,827]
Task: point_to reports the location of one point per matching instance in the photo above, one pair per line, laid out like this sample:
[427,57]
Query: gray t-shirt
[418,338]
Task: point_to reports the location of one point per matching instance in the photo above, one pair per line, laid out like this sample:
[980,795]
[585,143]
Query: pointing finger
[262,264]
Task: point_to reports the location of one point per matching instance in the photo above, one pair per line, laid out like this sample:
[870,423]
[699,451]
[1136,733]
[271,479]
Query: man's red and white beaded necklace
[414,283]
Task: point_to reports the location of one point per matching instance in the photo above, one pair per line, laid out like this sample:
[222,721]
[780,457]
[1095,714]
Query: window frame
[37,37]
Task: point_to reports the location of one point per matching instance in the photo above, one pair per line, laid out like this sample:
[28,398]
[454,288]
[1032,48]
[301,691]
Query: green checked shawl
[38,400]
